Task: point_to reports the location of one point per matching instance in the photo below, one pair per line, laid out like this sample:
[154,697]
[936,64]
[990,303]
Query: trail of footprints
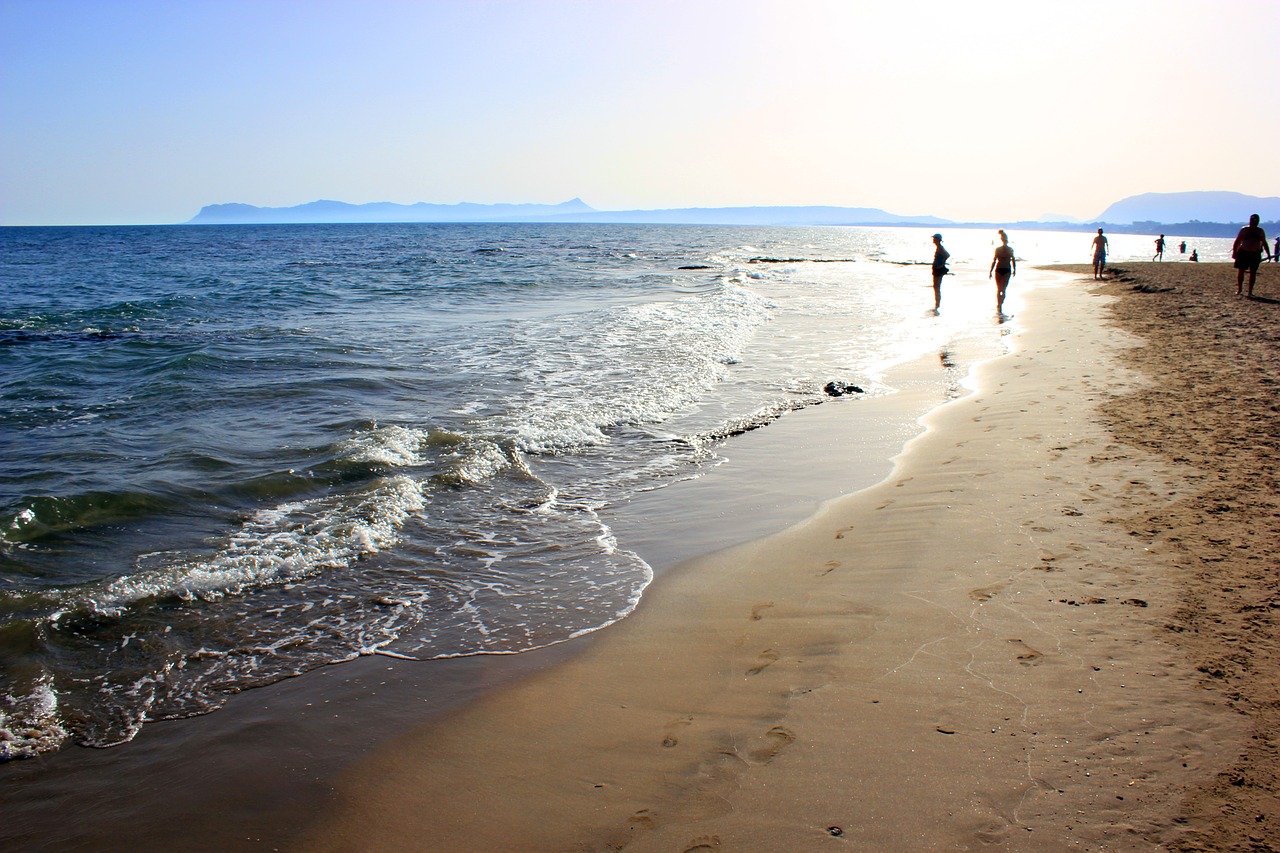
[763,750]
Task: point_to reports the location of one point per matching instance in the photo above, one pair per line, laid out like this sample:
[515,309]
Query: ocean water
[231,454]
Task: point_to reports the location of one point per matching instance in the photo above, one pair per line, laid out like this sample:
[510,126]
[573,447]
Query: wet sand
[1052,627]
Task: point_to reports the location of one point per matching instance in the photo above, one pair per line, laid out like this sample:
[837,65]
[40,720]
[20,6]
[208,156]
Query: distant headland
[1199,214]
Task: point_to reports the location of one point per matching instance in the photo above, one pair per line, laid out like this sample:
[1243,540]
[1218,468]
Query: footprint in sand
[757,612]
[1026,655]
[985,594]
[776,739]
[993,833]
[828,567]
[1047,563]
[669,738]
[767,658]
[703,842]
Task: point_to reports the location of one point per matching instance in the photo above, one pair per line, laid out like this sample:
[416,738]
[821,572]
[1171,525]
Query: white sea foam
[277,545]
[629,365]
[392,445]
[22,519]
[30,722]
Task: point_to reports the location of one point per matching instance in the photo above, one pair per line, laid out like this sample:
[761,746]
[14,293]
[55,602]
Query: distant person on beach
[1250,243]
[1195,259]
[1182,247]
[1099,254]
[1159,255]
[1275,255]
[940,256]
[1003,267]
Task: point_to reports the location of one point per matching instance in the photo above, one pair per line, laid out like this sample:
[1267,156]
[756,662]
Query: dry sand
[1216,409]
[1051,628]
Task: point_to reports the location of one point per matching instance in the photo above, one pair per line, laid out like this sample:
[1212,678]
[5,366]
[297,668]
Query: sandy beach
[1052,627]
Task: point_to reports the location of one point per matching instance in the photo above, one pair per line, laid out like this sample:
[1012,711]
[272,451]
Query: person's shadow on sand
[1267,299]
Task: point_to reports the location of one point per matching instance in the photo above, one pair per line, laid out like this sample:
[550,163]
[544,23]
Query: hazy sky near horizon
[143,111]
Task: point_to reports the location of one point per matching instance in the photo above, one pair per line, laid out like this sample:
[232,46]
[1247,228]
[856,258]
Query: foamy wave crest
[469,460]
[20,522]
[29,722]
[756,420]
[457,459]
[393,446]
[646,362]
[277,545]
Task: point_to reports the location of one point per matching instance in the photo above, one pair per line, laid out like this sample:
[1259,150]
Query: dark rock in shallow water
[806,261]
[695,267]
[840,389]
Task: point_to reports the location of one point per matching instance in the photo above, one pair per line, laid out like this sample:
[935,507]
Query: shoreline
[989,647]
[984,649]
[259,768]
[779,476]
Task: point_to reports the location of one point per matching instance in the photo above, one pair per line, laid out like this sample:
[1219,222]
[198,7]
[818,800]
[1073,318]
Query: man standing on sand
[1275,255]
[1159,255]
[1250,243]
[1099,255]
[940,256]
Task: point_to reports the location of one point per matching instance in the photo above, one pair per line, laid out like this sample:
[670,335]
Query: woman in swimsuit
[1003,266]
[940,256]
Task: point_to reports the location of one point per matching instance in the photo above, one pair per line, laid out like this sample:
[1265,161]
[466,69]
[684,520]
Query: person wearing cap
[940,256]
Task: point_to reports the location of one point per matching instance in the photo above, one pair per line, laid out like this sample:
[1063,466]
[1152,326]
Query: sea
[233,454]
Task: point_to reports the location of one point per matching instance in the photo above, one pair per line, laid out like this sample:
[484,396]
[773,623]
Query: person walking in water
[940,256]
[1003,267]
[1250,243]
[1099,254]
[1159,255]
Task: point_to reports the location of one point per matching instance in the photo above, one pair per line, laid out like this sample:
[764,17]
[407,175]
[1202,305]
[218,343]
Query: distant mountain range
[1191,207]
[385,211]
[1190,214]
[575,210]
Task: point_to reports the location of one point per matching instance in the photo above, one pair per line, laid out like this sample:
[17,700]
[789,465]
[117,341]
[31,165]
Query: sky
[144,111]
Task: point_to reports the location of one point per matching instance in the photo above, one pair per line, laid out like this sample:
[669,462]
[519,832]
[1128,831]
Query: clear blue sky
[141,111]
